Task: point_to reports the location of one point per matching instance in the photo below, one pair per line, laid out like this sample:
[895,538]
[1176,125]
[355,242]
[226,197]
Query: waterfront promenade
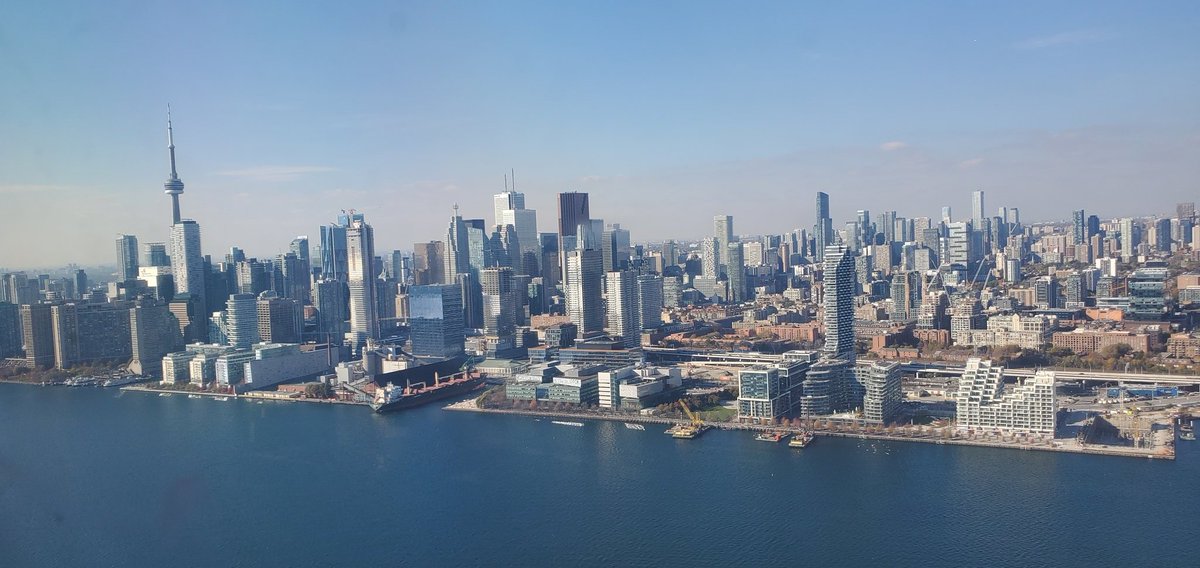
[844,429]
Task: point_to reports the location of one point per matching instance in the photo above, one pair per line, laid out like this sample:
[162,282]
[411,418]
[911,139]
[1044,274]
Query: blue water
[94,477]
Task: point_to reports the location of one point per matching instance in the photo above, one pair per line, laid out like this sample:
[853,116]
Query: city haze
[668,113]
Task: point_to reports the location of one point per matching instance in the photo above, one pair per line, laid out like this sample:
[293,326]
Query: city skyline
[1034,113]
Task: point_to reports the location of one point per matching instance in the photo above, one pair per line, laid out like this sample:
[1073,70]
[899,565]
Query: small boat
[769,436]
[562,423]
[194,396]
[632,426]
[164,394]
[222,398]
[800,440]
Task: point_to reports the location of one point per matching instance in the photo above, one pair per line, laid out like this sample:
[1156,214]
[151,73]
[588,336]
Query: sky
[667,113]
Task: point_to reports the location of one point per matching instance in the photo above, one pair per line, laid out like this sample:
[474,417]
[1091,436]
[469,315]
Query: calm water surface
[96,477]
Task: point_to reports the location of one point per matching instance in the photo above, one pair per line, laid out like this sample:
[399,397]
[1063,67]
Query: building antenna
[514,178]
[506,183]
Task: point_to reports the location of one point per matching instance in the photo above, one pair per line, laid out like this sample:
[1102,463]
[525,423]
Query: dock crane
[694,428]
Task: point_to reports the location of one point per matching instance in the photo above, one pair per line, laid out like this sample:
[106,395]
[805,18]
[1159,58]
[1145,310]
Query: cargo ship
[423,384]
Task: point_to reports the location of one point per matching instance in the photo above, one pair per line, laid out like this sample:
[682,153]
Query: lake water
[98,477]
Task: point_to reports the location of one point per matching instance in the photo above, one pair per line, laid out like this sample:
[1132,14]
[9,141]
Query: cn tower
[173,186]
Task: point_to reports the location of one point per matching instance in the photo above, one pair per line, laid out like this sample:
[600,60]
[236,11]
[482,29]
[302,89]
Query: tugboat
[1187,432]
[801,440]
[770,436]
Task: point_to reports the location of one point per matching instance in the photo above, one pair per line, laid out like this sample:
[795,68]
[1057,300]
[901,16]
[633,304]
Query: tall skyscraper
[572,212]
[457,248]
[723,232]
[127,258]
[823,230]
[977,206]
[583,276]
[500,301]
[624,312]
[1079,227]
[507,201]
[360,257]
[839,283]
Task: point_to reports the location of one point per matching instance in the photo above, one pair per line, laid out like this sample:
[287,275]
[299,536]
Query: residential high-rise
[127,258]
[958,244]
[839,284]
[10,329]
[984,401]
[882,394]
[436,320]
[37,331]
[650,300]
[241,317]
[280,320]
[1129,238]
[708,257]
[624,313]
[360,256]
[977,208]
[906,296]
[1079,231]
[88,332]
[583,274]
[187,266]
[735,267]
[153,333]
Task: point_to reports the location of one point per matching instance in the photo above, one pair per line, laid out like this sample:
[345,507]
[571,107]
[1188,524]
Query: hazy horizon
[667,114]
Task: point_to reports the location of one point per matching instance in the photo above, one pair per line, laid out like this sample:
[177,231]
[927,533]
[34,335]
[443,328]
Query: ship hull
[419,399]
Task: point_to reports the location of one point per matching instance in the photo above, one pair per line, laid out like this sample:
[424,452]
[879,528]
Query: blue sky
[667,112]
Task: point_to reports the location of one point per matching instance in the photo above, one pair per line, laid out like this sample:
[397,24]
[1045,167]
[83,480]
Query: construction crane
[690,430]
[696,422]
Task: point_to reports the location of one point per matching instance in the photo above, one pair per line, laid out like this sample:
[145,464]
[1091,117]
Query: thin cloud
[275,173]
[893,146]
[1065,38]
[31,188]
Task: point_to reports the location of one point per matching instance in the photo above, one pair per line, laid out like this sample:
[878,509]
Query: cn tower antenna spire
[173,185]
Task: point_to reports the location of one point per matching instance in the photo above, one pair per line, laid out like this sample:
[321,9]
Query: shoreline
[470,406]
[256,395]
